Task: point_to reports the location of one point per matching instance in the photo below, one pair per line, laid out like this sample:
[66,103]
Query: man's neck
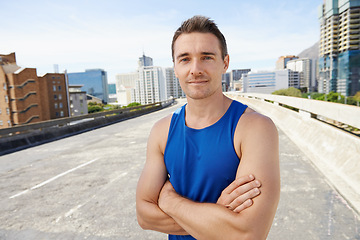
[201,113]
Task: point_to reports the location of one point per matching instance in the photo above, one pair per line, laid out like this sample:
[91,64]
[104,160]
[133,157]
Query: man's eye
[184,60]
[207,58]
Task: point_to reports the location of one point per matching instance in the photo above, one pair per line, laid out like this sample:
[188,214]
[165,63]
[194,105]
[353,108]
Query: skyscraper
[150,86]
[173,88]
[145,61]
[339,53]
[94,80]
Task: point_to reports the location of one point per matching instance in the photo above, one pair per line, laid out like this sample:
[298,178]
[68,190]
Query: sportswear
[201,163]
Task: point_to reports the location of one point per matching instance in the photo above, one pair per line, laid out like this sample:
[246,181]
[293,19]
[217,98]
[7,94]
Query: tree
[293,92]
[357,96]
[94,108]
[133,104]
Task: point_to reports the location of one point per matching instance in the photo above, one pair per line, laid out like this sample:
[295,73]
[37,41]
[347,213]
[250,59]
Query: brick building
[26,98]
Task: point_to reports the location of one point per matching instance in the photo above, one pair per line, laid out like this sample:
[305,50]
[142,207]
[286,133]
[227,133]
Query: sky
[112,34]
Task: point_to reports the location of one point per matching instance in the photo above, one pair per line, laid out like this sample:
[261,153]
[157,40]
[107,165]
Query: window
[57,114]
[5,88]
[55,97]
[59,88]
[7,111]
[1,122]
[54,88]
[56,105]
[60,105]
[62,113]
[60,96]
[6,99]
[9,123]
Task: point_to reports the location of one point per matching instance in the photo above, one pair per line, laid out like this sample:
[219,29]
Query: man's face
[198,64]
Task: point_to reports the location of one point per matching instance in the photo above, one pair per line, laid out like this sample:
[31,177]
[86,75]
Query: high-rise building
[339,50]
[145,61]
[26,98]
[283,60]
[150,85]
[303,67]
[270,81]
[95,82]
[173,88]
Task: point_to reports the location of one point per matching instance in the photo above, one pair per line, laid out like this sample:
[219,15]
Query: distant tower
[145,61]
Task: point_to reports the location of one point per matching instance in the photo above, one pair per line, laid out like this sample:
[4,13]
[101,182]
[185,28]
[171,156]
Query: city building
[173,88]
[283,60]
[112,88]
[269,81]
[150,85]
[145,61]
[339,50]
[303,67]
[54,95]
[125,87]
[225,81]
[26,98]
[236,78]
[112,93]
[95,83]
[78,100]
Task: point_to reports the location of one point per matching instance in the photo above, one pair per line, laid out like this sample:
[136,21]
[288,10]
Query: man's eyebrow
[202,53]
[182,55]
[208,53]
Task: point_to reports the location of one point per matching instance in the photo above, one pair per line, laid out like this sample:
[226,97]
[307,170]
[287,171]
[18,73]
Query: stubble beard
[199,92]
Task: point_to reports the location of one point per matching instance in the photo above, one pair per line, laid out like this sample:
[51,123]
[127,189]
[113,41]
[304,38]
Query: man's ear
[226,62]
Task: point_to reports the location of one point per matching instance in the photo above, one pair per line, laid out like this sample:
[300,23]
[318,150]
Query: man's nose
[196,68]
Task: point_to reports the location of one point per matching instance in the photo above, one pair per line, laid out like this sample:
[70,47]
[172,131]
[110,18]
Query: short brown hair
[200,24]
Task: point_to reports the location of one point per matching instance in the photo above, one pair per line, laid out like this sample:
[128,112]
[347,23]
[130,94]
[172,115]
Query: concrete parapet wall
[347,114]
[52,130]
[334,152]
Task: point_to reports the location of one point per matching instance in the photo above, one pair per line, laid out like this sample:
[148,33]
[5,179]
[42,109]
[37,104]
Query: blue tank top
[201,163]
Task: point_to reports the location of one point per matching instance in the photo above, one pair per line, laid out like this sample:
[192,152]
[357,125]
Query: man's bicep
[260,157]
[154,173]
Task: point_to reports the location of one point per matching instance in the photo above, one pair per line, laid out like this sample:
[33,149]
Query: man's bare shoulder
[163,124]
[252,122]
[159,132]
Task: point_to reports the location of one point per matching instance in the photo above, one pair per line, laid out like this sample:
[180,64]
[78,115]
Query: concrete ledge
[334,152]
[18,142]
[339,112]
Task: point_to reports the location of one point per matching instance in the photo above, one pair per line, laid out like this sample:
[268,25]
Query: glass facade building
[95,83]
[339,47]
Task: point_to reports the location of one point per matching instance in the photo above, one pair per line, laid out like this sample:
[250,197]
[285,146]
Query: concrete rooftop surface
[83,187]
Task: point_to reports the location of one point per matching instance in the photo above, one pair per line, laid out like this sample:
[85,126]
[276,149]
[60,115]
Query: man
[198,180]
